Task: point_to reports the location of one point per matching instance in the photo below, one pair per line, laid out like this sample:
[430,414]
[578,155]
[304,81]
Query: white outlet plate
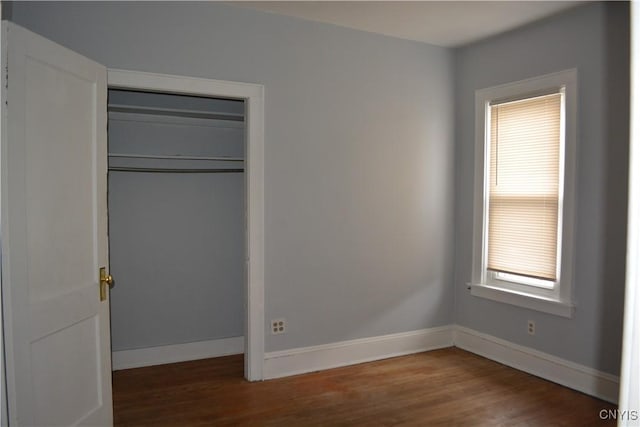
[278,326]
[531,327]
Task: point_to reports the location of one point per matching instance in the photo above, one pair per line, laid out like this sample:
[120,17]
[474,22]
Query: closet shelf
[177,112]
[172,170]
[176,157]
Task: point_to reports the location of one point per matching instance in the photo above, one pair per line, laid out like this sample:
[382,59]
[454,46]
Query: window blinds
[524,186]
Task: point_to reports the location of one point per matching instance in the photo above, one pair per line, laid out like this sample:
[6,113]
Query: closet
[176,220]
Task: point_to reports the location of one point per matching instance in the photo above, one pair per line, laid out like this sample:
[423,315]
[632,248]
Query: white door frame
[253,95]
[629,401]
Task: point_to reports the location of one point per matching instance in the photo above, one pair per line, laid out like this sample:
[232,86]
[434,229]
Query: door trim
[253,95]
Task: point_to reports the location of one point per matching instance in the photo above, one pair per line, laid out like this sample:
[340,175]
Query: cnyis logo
[616,414]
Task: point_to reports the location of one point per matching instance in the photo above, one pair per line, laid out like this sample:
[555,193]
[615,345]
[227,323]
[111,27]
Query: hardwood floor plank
[443,387]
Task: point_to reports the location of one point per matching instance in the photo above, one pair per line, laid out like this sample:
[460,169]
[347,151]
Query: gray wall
[360,160]
[171,101]
[177,256]
[359,153]
[595,40]
[176,240]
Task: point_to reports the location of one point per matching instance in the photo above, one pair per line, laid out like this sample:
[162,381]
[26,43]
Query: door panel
[75,367]
[57,153]
[54,165]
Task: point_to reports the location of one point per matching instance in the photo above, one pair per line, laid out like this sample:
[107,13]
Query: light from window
[524,193]
[524,187]
[529,281]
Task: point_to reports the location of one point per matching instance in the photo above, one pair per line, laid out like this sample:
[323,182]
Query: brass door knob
[106,280]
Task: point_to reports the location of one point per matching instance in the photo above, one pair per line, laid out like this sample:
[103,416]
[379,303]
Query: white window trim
[558,301]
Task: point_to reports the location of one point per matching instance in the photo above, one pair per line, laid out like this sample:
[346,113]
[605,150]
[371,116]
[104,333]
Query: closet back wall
[176,239]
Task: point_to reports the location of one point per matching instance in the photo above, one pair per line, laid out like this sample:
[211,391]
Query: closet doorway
[185,220]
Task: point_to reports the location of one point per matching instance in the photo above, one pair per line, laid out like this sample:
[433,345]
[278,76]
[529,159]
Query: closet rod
[164,170]
[176,157]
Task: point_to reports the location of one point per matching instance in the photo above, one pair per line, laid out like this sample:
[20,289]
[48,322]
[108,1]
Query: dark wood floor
[444,387]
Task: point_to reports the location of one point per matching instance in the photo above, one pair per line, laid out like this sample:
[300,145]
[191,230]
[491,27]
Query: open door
[54,234]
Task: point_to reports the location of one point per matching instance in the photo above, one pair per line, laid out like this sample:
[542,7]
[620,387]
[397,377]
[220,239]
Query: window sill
[533,302]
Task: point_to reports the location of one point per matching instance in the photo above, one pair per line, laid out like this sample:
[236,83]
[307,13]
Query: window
[524,195]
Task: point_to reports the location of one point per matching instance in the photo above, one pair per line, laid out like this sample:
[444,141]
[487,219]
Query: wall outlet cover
[278,326]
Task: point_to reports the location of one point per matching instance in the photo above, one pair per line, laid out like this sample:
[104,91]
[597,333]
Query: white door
[54,234]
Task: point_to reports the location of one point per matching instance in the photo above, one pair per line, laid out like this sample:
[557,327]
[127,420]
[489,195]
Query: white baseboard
[295,361]
[569,374]
[126,359]
[310,359]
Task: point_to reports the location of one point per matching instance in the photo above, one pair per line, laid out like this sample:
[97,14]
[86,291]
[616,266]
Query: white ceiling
[442,23]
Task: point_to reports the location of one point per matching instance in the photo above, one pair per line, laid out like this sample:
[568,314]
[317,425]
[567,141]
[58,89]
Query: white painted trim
[527,296]
[309,359]
[630,377]
[161,355]
[327,356]
[529,301]
[253,94]
[543,365]
[141,80]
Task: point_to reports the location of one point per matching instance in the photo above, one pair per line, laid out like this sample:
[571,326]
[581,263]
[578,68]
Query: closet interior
[176,220]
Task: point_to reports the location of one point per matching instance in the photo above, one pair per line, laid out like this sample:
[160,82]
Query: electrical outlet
[531,327]
[277,327]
